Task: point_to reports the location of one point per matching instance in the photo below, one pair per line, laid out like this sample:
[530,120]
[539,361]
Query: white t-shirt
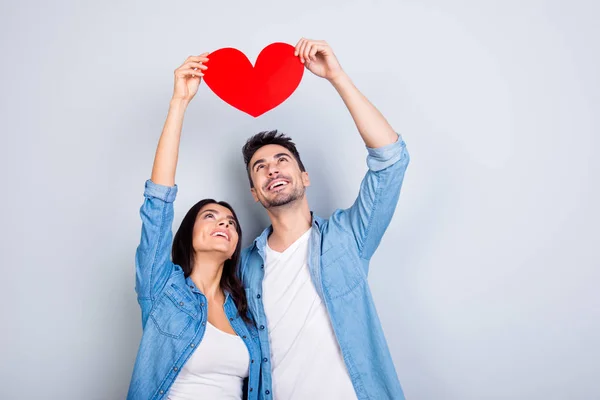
[216,369]
[306,360]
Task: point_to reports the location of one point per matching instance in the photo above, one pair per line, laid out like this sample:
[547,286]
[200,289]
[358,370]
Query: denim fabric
[174,311]
[339,253]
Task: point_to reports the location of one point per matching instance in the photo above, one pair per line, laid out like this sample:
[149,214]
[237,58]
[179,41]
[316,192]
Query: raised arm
[153,262]
[370,215]
[187,81]
[318,58]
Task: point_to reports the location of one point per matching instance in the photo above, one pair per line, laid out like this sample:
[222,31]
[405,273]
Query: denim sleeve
[153,255]
[370,215]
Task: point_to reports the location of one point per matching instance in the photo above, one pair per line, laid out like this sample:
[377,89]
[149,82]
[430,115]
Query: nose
[273,170]
[224,223]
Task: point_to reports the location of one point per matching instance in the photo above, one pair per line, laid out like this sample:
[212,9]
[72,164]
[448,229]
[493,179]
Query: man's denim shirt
[174,311]
[339,252]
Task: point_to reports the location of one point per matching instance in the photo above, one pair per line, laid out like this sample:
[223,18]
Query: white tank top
[216,369]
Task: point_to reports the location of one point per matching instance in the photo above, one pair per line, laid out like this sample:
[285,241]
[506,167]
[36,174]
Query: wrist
[178,103]
[340,80]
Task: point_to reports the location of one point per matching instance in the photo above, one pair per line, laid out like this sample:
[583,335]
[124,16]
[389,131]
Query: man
[306,277]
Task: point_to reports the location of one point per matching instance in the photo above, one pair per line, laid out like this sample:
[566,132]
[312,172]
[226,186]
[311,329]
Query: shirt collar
[261,241]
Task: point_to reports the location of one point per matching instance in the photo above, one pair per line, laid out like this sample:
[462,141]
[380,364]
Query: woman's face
[215,230]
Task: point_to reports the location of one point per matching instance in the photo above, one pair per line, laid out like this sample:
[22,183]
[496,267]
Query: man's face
[276,176]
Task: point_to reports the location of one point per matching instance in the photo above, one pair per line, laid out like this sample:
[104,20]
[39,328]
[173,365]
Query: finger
[297,47]
[196,59]
[194,72]
[301,50]
[323,49]
[192,64]
[201,58]
[195,64]
[182,73]
[205,54]
[307,49]
[312,54]
[301,47]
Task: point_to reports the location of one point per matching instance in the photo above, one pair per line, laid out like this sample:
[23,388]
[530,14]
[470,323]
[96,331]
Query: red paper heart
[254,90]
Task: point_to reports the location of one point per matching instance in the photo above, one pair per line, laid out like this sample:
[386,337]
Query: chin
[279,203]
[282,200]
[225,249]
[222,248]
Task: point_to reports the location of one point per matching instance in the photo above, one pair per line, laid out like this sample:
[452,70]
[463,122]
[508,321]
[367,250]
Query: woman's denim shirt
[174,311]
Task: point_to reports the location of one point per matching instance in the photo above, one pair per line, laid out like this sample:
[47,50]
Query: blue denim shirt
[174,311]
[339,252]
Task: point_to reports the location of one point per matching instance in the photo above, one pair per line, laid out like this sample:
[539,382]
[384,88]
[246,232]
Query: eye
[209,215]
[259,167]
[232,223]
[283,159]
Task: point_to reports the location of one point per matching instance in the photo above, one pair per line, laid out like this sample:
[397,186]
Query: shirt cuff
[161,192]
[382,157]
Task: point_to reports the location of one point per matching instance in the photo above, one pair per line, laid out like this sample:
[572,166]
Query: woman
[198,341]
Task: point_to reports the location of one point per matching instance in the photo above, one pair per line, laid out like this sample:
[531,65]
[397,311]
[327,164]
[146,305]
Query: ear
[305,179]
[254,196]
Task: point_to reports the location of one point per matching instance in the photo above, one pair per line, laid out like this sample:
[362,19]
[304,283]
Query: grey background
[486,281]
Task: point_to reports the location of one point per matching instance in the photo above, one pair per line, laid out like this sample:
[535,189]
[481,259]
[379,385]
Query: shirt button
[231,319]
[201,304]
[258,296]
[244,337]
[192,345]
[252,361]
[181,303]
[250,389]
[267,392]
[191,287]
[175,369]
[265,359]
[262,327]
[204,324]
[162,392]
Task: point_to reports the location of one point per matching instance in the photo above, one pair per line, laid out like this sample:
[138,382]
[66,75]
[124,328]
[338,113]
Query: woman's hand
[188,77]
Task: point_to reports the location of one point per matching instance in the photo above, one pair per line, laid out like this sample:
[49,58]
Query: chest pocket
[341,272]
[175,311]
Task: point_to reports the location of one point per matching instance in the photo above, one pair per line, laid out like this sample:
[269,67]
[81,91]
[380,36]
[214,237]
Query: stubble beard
[284,199]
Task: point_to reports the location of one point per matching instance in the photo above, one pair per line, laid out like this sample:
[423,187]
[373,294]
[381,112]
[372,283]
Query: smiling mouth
[277,184]
[220,234]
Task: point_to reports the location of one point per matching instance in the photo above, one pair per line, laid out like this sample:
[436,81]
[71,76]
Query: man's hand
[319,59]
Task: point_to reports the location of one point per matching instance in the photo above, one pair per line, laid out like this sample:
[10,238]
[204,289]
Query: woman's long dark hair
[183,255]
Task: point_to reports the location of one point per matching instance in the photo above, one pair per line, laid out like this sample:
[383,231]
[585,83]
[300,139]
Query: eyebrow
[262,160]
[216,212]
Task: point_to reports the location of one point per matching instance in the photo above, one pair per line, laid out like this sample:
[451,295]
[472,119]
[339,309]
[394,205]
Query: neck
[289,223]
[206,274]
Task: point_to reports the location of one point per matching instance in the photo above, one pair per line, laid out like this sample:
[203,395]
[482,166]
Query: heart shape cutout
[254,89]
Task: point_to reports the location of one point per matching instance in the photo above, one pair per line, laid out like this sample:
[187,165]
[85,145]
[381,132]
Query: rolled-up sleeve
[153,254]
[382,157]
[370,215]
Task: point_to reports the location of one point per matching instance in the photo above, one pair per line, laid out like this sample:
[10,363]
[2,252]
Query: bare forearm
[167,152]
[373,127]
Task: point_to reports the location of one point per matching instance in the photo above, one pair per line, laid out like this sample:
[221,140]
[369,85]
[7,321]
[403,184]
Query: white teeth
[277,184]
[221,234]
